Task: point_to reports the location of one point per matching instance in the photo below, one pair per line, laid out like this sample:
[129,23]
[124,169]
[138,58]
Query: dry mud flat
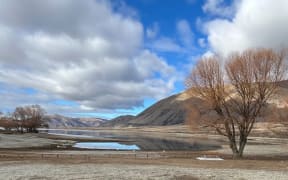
[47,170]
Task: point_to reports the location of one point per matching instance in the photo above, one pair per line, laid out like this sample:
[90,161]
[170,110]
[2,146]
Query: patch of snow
[209,158]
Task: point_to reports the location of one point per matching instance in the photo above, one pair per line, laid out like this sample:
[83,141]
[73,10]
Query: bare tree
[35,120]
[19,115]
[29,117]
[237,91]
[8,123]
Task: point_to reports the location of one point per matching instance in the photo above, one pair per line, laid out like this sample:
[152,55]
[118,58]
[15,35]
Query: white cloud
[152,32]
[208,54]
[202,42]
[182,43]
[256,23]
[185,32]
[148,61]
[165,44]
[81,51]
[12,96]
[218,8]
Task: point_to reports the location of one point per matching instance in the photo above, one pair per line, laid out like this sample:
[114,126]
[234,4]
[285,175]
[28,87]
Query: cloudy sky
[110,57]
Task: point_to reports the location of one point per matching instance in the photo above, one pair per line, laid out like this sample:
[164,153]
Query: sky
[104,58]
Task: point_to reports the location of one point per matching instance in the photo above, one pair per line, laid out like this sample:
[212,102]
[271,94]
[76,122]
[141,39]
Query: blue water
[105,146]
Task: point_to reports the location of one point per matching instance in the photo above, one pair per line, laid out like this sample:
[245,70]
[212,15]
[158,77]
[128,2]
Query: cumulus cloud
[12,96]
[208,54]
[81,51]
[218,8]
[256,23]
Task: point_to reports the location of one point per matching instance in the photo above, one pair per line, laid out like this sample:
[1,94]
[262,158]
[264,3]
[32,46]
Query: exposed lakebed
[134,141]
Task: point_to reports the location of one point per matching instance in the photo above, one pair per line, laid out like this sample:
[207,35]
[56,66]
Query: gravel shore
[26,141]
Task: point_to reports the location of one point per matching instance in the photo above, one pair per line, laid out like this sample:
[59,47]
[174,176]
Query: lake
[105,146]
[133,141]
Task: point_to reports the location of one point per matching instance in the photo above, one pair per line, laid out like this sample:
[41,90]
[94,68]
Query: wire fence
[135,155]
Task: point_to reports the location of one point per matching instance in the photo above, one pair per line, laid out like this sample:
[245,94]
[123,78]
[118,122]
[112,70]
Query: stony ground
[25,141]
[48,170]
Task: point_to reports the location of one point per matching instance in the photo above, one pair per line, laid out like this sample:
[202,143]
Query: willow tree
[29,117]
[237,91]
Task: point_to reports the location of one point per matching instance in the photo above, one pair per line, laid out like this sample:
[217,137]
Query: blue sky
[106,58]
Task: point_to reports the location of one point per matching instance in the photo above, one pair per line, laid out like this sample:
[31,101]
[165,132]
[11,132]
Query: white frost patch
[209,158]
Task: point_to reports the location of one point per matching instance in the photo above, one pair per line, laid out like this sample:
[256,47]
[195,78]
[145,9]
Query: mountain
[59,121]
[169,111]
[177,108]
[120,120]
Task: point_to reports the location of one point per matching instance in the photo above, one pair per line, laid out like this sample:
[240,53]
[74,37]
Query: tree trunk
[238,150]
[242,144]
[234,148]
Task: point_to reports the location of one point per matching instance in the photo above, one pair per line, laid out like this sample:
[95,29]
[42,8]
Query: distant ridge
[59,121]
[169,111]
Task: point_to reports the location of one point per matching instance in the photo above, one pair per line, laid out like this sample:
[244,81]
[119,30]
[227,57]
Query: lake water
[105,146]
[134,142]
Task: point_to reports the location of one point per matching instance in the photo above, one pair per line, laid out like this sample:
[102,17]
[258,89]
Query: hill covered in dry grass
[187,108]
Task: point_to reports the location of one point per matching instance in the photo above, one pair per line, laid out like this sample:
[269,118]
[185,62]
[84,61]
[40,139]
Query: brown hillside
[185,107]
